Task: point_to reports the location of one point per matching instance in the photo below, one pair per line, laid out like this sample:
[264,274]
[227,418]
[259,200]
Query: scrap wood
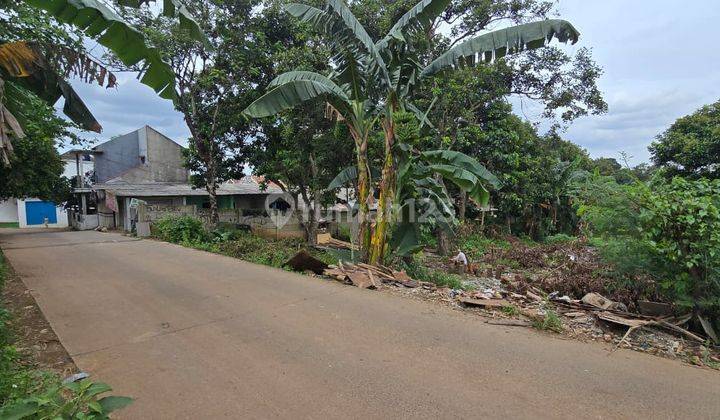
[373,280]
[654,308]
[361,279]
[533,296]
[635,323]
[682,331]
[487,303]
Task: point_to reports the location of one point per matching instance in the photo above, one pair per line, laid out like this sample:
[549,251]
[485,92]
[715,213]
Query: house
[147,166]
[33,212]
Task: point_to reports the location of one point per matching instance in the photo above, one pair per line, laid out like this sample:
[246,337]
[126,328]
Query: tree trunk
[443,242]
[364,195]
[212,196]
[211,188]
[378,245]
[310,226]
[462,205]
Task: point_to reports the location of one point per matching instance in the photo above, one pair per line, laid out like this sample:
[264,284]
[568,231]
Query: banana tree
[100,22]
[27,69]
[375,80]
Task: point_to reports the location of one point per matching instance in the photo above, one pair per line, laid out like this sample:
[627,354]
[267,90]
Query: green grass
[9,225]
[550,322]
[510,310]
[476,245]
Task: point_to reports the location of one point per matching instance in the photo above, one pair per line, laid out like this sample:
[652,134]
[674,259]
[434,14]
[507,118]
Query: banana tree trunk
[383,221]
[363,192]
[462,206]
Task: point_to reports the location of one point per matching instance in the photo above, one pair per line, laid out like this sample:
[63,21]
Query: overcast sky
[659,56]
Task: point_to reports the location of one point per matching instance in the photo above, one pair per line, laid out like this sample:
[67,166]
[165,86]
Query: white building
[33,212]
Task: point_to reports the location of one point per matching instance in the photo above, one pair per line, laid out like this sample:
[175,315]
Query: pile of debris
[514,301]
[367,276]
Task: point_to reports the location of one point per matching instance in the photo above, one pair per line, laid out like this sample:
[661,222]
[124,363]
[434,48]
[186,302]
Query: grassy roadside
[17,377]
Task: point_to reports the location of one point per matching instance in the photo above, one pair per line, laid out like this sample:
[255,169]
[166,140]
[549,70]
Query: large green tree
[691,146]
[214,78]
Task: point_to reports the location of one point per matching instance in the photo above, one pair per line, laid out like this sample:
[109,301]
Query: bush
[74,400]
[181,230]
[665,231]
[274,253]
[549,322]
[680,222]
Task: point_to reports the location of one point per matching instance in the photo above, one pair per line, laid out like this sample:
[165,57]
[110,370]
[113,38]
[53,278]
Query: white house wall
[8,211]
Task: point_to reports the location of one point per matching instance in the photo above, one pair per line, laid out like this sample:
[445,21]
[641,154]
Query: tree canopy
[691,146]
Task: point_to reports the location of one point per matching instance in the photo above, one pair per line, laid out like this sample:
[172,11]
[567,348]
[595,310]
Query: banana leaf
[420,16]
[127,43]
[295,92]
[494,45]
[349,176]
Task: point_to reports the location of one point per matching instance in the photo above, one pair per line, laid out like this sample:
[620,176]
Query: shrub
[680,221]
[665,231]
[75,400]
[258,250]
[475,245]
[181,229]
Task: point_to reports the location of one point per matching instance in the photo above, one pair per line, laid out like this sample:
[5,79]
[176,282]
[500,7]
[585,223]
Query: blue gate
[37,211]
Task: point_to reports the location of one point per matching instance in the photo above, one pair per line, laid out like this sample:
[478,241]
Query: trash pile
[594,317]
[367,276]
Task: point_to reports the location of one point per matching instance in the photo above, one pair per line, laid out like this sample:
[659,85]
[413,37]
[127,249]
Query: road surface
[191,334]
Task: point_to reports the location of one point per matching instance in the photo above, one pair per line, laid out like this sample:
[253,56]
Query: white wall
[9,210]
[71,167]
[62,217]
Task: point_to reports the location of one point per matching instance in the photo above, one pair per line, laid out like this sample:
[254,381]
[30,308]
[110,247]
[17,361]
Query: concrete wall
[164,157]
[61,213]
[9,211]
[144,155]
[118,156]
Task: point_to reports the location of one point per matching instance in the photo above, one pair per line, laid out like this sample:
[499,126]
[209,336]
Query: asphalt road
[196,335]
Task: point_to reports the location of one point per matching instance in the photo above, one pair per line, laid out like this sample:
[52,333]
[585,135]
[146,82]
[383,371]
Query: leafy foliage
[36,168]
[665,231]
[181,230]
[680,221]
[74,400]
[98,21]
[691,146]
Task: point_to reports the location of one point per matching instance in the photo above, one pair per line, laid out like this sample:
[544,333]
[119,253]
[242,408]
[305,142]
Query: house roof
[245,186]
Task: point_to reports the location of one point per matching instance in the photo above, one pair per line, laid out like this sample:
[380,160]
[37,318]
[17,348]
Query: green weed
[550,322]
[510,310]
